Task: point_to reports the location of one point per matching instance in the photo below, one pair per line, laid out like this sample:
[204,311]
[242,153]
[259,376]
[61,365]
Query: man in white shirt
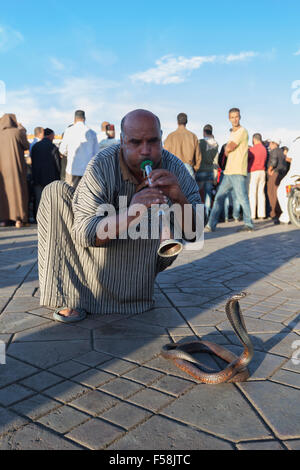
[290,178]
[80,145]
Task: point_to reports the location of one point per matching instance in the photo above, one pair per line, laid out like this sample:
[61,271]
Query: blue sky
[197,57]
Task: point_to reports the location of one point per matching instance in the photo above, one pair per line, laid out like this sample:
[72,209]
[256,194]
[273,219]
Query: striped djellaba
[117,277]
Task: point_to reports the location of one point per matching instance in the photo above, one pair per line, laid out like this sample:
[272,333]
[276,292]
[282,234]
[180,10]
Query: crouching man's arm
[113,226]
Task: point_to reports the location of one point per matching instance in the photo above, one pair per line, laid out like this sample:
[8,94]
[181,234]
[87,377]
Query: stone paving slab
[102,384]
[293,444]
[211,410]
[126,415]
[20,321]
[10,421]
[14,370]
[51,331]
[53,351]
[281,412]
[35,407]
[63,419]
[159,433]
[96,434]
[41,381]
[33,437]
[262,445]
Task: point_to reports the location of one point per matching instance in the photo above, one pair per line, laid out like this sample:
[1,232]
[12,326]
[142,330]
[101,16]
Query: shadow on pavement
[190,303]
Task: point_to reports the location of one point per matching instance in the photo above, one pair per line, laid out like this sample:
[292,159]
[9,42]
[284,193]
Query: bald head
[132,119]
[141,140]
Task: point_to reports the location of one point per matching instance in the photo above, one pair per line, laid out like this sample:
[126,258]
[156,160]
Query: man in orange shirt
[184,145]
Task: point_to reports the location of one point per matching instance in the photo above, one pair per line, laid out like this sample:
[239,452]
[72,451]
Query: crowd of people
[235,181]
[75,276]
[22,180]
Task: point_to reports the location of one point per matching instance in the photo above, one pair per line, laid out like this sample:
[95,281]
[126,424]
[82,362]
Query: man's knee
[58,190]
[220,197]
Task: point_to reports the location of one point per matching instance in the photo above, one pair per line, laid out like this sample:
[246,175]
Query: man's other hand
[149,196]
[166,182]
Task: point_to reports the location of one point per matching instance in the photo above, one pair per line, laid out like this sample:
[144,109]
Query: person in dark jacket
[46,163]
[277,169]
[205,175]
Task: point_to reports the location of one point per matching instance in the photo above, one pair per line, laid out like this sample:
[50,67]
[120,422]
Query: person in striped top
[82,268]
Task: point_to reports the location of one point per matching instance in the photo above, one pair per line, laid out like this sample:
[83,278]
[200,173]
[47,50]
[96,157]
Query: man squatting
[81,272]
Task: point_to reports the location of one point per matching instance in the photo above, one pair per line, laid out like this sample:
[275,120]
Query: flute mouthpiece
[146,163]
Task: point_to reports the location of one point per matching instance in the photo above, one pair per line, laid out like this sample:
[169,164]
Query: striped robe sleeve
[94,190]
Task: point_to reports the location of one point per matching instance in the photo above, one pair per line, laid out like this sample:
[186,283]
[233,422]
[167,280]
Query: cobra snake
[236,371]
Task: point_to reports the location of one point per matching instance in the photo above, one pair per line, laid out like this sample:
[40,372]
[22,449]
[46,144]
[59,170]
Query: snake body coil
[236,371]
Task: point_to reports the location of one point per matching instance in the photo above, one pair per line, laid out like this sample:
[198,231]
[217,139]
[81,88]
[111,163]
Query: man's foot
[19,224]
[69,315]
[286,222]
[68,312]
[226,220]
[276,221]
[245,228]
[209,229]
[236,221]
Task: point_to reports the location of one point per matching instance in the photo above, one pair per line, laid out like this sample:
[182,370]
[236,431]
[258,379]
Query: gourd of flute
[168,246]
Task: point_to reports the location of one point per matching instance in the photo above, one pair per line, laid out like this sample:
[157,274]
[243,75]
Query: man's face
[104,125]
[110,134]
[273,145]
[141,140]
[234,118]
[51,137]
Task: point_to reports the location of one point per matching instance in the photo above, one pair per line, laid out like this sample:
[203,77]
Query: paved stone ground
[101,384]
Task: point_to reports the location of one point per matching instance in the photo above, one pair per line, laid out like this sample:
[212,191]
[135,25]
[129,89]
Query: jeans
[206,178]
[231,201]
[237,183]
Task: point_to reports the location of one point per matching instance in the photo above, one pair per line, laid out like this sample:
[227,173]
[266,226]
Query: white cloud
[53,104]
[170,69]
[238,57]
[57,64]
[297,53]
[286,135]
[9,38]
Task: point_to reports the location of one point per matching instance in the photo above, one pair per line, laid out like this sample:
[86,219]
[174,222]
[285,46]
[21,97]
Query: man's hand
[230,147]
[166,182]
[270,171]
[149,196]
